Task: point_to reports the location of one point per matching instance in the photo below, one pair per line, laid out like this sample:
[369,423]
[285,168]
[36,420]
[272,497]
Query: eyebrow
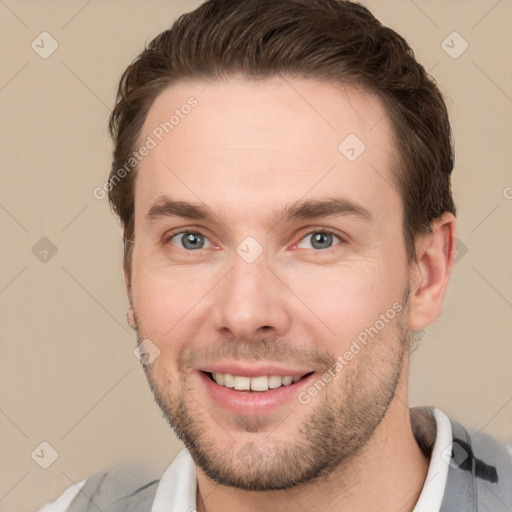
[166,207]
[315,208]
[299,210]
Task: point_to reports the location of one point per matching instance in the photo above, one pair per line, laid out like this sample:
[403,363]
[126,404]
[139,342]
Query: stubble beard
[342,419]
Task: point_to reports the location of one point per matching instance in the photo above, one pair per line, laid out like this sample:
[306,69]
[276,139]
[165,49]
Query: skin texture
[246,150]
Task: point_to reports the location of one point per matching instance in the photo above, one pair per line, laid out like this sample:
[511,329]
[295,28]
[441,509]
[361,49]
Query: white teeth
[260,383]
[229,380]
[242,383]
[274,382]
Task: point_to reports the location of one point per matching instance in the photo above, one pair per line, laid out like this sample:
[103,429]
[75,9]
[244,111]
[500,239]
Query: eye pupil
[322,239]
[193,241]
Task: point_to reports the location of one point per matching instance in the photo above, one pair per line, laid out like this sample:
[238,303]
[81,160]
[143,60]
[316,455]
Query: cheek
[167,300]
[348,298]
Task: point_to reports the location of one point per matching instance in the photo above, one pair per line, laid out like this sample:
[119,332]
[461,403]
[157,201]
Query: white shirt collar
[433,489]
[178,485]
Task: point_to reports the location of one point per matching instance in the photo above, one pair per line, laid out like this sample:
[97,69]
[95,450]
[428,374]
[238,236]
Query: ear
[130,313]
[435,253]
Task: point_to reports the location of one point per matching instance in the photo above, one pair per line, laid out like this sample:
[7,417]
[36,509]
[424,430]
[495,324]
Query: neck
[374,476]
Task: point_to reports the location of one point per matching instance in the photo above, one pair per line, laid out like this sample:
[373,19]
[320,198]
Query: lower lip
[254,402]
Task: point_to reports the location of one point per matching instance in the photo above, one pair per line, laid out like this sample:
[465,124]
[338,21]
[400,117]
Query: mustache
[265,349]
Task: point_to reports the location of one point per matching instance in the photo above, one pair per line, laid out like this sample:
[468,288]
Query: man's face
[265,288]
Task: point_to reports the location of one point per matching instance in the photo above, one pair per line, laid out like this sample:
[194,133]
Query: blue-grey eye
[319,240]
[190,241]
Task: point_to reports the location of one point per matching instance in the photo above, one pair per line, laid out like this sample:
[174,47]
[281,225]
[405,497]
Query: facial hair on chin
[342,419]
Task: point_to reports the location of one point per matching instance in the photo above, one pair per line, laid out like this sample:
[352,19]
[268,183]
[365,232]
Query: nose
[251,302]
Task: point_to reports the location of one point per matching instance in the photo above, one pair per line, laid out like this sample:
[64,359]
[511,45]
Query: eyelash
[171,235]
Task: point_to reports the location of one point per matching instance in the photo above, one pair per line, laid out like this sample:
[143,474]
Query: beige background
[68,374]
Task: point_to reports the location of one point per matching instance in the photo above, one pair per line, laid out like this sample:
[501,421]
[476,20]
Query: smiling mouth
[259,384]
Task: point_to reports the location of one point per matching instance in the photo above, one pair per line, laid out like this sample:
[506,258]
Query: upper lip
[255,369]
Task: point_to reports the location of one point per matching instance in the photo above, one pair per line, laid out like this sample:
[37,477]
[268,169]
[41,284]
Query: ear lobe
[435,256]
[130,317]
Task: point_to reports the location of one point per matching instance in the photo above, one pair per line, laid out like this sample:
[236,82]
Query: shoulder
[118,488]
[480,470]
[64,500]
[485,447]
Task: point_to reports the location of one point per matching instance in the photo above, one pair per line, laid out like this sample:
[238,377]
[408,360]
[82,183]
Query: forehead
[276,138]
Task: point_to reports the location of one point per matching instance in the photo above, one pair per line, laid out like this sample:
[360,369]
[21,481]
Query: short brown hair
[336,41]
